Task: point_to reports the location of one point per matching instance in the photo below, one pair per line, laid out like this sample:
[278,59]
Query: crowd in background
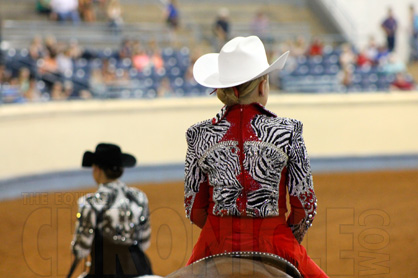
[373,57]
[52,70]
[76,11]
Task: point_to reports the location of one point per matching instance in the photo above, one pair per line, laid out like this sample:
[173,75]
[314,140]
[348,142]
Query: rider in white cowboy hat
[240,164]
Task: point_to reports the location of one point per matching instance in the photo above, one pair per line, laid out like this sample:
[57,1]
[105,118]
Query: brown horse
[239,264]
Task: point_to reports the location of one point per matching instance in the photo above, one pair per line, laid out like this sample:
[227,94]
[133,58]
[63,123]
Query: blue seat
[317,69]
[81,63]
[183,58]
[331,59]
[331,69]
[125,63]
[171,63]
[95,63]
[174,73]
[107,53]
[80,80]
[301,70]
[167,53]
[158,75]
[315,60]
[301,60]
[150,93]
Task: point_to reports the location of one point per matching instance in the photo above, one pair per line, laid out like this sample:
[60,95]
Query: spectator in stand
[51,44]
[172,16]
[165,89]
[32,59]
[260,26]
[97,83]
[346,77]
[299,47]
[372,50]
[126,49]
[315,48]
[363,60]
[24,80]
[393,65]
[347,61]
[189,80]
[12,92]
[414,34]
[390,26]
[402,83]
[43,6]
[87,10]
[58,92]
[108,72]
[5,74]
[32,94]
[114,15]
[156,59]
[48,69]
[140,59]
[122,77]
[172,19]
[221,28]
[76,51]
[37,45]
[71,93]
[64,10]
[347,56]
[382,55]
[65,63]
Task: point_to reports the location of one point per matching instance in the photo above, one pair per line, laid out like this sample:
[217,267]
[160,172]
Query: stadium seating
[316,74]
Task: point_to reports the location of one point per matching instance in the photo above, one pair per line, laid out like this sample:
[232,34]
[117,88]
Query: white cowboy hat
[240,60]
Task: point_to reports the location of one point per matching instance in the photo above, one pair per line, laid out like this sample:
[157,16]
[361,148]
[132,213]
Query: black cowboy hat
[108,155]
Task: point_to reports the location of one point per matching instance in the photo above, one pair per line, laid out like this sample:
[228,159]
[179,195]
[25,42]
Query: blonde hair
[228,97]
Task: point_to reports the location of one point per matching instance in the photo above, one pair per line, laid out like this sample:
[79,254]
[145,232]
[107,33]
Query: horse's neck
[230,267]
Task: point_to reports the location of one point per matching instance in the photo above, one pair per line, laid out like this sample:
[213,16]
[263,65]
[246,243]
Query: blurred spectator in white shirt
[65,63]
[63,10]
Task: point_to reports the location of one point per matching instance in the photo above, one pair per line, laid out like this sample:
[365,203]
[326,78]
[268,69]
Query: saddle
[239,264]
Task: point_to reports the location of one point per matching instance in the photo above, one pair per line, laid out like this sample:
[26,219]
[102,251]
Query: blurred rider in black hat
[112,223]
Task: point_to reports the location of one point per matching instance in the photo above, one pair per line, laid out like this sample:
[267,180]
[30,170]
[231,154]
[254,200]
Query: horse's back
[229,267]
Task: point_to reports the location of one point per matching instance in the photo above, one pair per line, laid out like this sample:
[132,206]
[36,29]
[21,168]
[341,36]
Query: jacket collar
[221,114]
[114,184]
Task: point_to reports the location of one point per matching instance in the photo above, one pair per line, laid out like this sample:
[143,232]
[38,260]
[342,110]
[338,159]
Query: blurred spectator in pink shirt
[140,59]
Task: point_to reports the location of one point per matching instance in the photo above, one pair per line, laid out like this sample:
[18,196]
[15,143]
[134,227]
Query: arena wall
[42,144]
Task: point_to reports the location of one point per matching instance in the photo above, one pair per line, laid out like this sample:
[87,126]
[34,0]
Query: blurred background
[83,49]
[74,73]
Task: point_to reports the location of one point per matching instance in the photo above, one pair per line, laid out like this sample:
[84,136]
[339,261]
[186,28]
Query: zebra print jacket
[120,212]
[240,164]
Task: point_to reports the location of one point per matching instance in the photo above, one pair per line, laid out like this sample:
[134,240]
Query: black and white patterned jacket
[123,215]
[239,164]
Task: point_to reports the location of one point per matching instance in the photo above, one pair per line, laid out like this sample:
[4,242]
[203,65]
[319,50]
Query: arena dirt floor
[366,227]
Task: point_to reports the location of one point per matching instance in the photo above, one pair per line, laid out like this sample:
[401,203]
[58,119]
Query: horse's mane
[239,264]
